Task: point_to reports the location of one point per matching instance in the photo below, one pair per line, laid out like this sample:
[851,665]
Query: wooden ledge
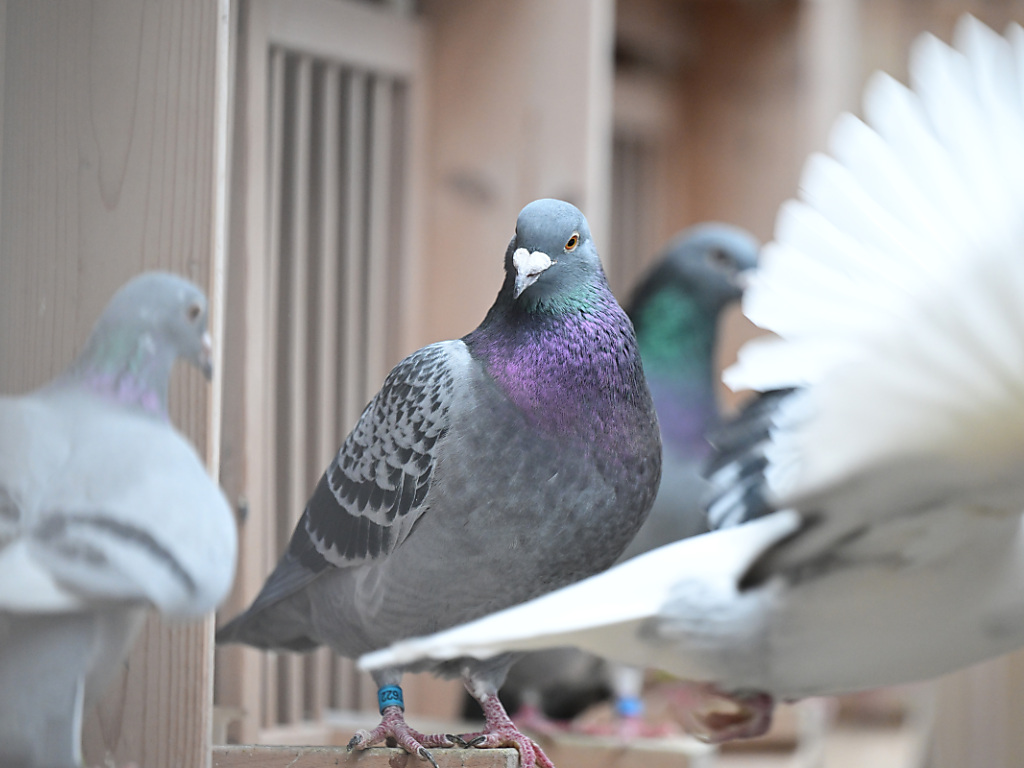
[260,756]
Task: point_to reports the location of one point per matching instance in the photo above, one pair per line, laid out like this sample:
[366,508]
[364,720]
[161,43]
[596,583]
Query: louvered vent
[336,167]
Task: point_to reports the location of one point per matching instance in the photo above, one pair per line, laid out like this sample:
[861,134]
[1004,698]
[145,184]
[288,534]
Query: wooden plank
[353,388]
[583,752]
[328,433]
[272,493]
[325,162]
[377,757]
[3,44]
[295,371]
[239,670]
[376,319]
[369,38]
[112,165]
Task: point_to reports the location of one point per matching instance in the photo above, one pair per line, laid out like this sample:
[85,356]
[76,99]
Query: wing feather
[376,487]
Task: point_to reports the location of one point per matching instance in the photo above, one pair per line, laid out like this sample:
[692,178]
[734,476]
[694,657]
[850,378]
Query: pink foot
[531,718]
[624,728]
[500,731]
[715,716]
[393,728]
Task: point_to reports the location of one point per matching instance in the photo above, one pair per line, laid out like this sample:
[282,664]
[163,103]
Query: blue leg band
[390,696]
[629,706]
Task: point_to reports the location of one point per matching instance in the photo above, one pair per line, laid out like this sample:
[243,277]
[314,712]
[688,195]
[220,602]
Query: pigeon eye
[193,312]
[719,258]
[572,242]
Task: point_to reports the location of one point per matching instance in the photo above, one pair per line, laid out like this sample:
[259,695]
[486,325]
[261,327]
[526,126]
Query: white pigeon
[878,481]
[105,511]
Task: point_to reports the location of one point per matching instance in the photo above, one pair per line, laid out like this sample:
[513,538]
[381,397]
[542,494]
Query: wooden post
[113,151]
[378,757]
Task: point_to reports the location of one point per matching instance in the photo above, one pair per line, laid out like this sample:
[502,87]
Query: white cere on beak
[529,265]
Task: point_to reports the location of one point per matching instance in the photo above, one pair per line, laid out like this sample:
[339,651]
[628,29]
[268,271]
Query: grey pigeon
[675,309]
[486,471]
[875,488]
[106,511]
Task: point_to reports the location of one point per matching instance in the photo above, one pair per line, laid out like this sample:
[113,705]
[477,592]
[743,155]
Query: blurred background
[343,177]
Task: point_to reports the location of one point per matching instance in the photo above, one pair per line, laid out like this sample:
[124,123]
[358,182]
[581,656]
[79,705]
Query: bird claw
[357,739]
[461,742]
[425,755]
[393,728]
[717,716]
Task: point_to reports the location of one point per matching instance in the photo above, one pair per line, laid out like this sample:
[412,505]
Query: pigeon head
[708,263]
[675,312]
[675,307]
[154,319]
[551,262]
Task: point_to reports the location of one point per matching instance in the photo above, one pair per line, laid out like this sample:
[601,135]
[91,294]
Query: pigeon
[106,512]
[487,470]
[675,310]
[867,503]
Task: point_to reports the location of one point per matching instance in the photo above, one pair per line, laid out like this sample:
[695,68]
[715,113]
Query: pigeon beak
[205,361]
[529,266]
[742,280]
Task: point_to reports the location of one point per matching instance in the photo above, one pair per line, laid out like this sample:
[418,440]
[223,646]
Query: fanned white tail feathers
[896,283]
[603,614]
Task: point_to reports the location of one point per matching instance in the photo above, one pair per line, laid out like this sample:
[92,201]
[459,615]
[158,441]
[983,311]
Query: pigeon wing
[894,287]
[374,491]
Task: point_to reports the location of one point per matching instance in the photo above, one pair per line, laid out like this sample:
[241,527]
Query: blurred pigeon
[877,484]
[105,511]
[675,310]
[486,471]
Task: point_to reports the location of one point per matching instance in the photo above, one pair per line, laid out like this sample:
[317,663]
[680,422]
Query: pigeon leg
[714,716]
[499,730]
[530,717]
[628,723]
[393,728]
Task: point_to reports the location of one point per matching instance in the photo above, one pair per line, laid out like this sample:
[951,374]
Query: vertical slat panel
[352,247]
[275,163]
[397,271]
[355,374]
[378,240]
[335,219]
[366,380]
[327,194]
[297,357]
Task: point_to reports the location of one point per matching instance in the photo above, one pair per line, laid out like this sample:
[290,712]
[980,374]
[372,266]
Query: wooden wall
[112,163]
[520,108]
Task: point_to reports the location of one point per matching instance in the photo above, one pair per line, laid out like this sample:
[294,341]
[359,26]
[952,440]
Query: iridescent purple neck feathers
[131,370]
[574,372]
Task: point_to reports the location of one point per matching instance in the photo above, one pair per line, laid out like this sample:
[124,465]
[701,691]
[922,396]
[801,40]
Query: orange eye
[572,242]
